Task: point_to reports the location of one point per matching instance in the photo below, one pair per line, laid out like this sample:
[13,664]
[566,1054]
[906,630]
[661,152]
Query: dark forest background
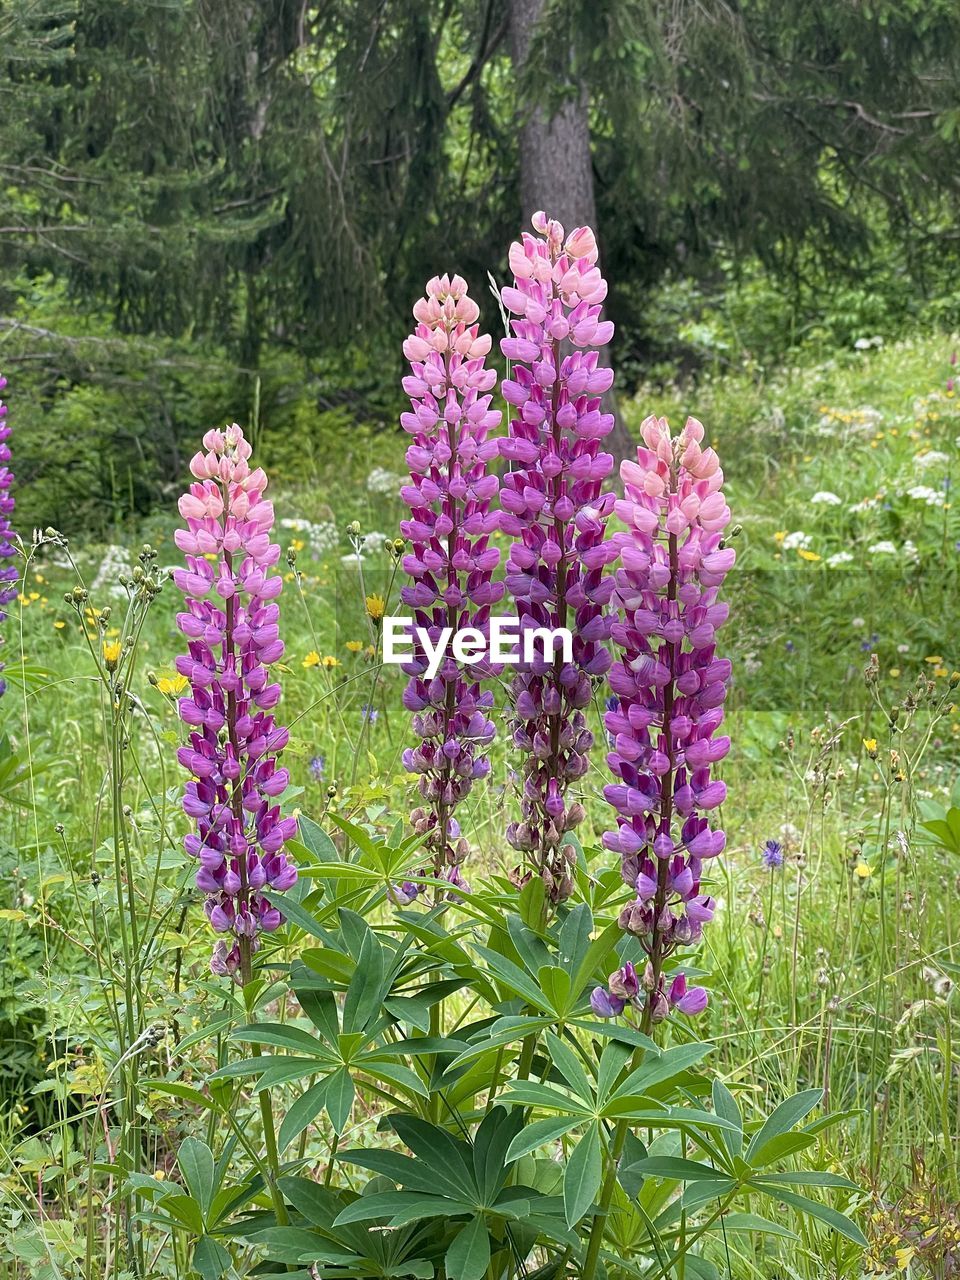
[219,207]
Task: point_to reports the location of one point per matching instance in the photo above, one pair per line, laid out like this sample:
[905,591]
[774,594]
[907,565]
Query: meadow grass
[835,969]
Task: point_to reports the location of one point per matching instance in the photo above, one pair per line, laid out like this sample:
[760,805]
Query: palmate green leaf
[401,1207]
[318,1204]
[555,984]
[530,947]
[295,913]
[837,1221]
[789,1113]
[196,1164]
[283,1035]
[538,1134]
[393,1073]
[321,1008]
[367,987]
[411,1174]
[450,1159]
[364,842]
[339,1096]
[211,1259]
[186,1210]
[612,1061]
[317,841]
[671,1063]
[568,1064]
[301,1113]
[329,963]
[504,1031]
[804,1178]
[784,1144]
[415,1007]
[677,1168]
[619,1032]
[530,1093]
[581,1178]
[490,1145]
[574,941]
[751,1222]
[725,1105]
[469,1255]
[514,978]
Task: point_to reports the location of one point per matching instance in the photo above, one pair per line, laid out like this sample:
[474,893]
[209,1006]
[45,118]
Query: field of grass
[834,970]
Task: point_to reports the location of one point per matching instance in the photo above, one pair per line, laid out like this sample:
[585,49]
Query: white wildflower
[380,480]
[923,493]
[825,497]
[839,557]
[884,548]
[796,541]
[932,458]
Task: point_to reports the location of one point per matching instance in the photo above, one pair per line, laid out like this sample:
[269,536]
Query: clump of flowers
[553,506]
[8,572]
[671,688]
[450,560]
[231,622]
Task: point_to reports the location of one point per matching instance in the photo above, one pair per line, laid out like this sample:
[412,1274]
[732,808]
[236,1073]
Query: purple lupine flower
[671,687]
[553,506]
[450,561]
[8,572]
[231,625]
[772,854]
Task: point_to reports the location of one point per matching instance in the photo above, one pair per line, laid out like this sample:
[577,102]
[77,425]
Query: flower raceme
[8,572]
[552,505]
[670,688]
[231,625]
[450,561]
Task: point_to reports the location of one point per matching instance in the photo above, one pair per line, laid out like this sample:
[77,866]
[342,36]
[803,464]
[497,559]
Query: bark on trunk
[556,169]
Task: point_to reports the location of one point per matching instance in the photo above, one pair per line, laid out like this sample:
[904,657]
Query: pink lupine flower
[670,688]
[231,625]
[450,562]
[553,506]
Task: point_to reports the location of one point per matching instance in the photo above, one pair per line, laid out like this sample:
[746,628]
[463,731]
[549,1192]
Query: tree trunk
[556,169]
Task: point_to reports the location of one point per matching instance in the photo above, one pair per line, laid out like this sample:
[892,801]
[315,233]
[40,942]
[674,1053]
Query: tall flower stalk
[553,506]
[450,561]
[231,625]
[8,572]
[670,687]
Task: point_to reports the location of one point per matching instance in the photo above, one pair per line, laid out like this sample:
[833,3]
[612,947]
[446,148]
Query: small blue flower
[772,854]
[368,714]
[790,646]
[318,767]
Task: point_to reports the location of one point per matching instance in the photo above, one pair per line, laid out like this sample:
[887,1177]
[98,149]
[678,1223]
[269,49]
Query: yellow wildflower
[780,535]
[111,654]
[355,646]
[935,660]
[804,554]
[894,673]
[59,625]
[870,746]
[940,672]
[297,545]
[172,684]
[34,595]
[312,659]
[376,607]
[330,661]
[862,870]
[904,1256]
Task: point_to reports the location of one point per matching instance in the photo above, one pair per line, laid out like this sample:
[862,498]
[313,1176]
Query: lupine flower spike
[231,625]
[671,688]
[8,572]
[450,561]
[553,506]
